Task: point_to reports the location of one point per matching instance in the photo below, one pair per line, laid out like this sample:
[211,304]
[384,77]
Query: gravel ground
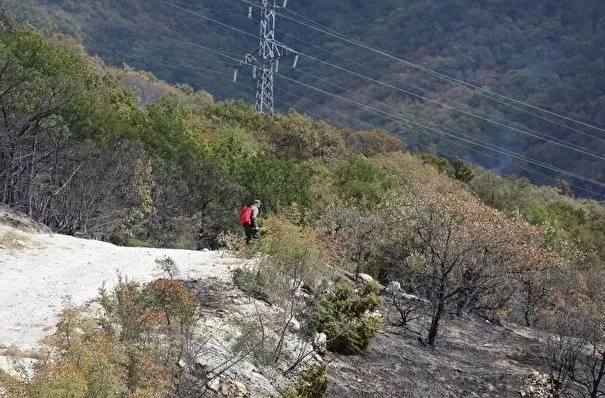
[37,270]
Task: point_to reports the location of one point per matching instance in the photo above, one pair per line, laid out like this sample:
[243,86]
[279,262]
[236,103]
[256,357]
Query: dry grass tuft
[12,240]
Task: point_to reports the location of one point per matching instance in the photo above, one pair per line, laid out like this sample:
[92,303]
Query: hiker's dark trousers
[249,231]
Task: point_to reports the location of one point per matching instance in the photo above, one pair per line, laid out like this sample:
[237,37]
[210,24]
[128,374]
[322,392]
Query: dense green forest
[545,52]
[79,153]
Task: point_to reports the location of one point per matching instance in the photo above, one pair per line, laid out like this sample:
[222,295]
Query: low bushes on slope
[345,316]
[133,350]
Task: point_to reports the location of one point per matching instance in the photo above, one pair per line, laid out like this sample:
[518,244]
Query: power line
[556,142]
[555,122]
[171,4]
[209,9]
[480,90]
[172,65]
[227,78]
[324,106]
[454,141]
[176,5]
[189,43]
[447,153]
[317,116]
[264,94]
[463,138]
[414,120]
[265,86]
[265,60]
[470,140]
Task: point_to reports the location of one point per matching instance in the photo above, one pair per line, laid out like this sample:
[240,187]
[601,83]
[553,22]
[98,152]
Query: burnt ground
[472,358]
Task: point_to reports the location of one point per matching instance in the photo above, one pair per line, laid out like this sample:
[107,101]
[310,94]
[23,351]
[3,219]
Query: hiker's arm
[254,216]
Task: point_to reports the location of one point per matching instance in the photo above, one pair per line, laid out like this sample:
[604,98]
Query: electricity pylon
[265,60]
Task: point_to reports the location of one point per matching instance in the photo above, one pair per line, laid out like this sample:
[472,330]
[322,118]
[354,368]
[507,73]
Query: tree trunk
[599,376]
[434,329]
[32,175]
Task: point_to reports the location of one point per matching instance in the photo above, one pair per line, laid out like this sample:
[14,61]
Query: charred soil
[472,358]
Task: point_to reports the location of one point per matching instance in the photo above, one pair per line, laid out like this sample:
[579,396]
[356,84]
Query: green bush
[279,182]
[312,383]
[364,182]
[441,164]
[343,314]
[463,171]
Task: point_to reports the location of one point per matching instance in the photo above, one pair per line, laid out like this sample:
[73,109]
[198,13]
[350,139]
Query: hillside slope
[39,272]
[163,166]
[547,53]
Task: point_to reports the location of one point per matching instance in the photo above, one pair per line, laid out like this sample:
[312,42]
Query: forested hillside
[79,153]
[545,53]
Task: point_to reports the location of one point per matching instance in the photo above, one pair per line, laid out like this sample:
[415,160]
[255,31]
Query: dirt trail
[37,270]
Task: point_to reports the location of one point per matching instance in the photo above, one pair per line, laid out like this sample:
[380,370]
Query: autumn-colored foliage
[81,154]
[172,299]
[132,351]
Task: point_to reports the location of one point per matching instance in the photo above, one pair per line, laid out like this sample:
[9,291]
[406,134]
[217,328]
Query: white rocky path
[37,270]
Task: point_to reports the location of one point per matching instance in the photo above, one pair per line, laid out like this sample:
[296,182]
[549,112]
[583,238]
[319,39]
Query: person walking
[254,218]
[249,220]
[245,218]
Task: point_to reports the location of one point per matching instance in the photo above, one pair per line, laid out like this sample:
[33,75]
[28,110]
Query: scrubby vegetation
[80,154]
[347,318]
[312,383]
[132,350]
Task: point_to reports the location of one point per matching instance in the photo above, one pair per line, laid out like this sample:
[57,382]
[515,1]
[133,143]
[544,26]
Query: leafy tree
[279,182]
[463,171]
[61,119]
[299,136]
[362,181]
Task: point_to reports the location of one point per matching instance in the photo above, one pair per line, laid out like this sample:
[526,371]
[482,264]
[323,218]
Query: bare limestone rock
[393,287]
[537,385]
[294,325]
[214,385]
[228,388]
[365,278]
[320,343]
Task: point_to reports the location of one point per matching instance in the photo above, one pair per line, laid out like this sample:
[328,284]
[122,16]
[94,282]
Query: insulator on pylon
[264,59]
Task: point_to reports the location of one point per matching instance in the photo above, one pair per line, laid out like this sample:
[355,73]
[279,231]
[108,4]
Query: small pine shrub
[344,315]
[168,266]
[314,382]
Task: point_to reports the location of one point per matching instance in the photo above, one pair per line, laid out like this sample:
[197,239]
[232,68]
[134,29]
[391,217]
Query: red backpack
[246,215]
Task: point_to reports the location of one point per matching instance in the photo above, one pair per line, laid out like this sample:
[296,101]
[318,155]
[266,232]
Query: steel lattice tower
[265,60]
